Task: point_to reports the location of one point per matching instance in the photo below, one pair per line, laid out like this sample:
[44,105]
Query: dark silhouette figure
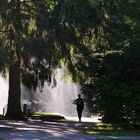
[80,106]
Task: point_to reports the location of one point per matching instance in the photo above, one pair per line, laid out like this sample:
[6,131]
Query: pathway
[37,130]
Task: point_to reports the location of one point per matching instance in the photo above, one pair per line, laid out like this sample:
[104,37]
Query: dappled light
[38,129]
[34,130]
[69,68]
[45,130]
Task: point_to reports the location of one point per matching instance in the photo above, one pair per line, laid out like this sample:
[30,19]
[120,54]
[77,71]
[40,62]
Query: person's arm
[75,102]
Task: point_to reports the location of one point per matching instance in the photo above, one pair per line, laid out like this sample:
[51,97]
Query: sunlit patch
[3,94]
[84,119]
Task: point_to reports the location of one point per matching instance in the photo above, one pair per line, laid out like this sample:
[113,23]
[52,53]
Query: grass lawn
[2,138]
[46,116]
[112,130]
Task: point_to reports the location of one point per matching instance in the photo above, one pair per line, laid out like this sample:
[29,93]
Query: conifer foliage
[96,41]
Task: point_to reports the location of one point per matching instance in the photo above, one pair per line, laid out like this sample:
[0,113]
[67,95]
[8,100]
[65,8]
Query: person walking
[79,102]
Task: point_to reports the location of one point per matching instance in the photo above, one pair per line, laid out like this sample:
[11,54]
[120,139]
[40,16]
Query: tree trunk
[112,113]
[14,106]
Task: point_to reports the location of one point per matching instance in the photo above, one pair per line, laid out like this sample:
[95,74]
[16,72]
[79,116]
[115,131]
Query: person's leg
[79,114]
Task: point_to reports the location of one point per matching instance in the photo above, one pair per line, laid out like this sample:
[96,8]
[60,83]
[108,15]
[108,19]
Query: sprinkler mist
[3,94]
[59,98]
[54,99]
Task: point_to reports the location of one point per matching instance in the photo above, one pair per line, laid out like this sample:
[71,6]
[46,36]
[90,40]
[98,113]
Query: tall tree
[111,84]
[39,35]
[12,28]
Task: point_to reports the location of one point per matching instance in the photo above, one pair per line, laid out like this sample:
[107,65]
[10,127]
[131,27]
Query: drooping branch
[2,32]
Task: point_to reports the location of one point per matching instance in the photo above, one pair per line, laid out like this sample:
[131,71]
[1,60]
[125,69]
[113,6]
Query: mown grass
[45,115]
[112,130]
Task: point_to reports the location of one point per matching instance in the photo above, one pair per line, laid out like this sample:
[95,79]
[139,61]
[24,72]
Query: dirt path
[37,130]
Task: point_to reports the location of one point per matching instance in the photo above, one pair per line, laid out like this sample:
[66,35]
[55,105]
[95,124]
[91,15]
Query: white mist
[3,93]
[59,99]
[56,99]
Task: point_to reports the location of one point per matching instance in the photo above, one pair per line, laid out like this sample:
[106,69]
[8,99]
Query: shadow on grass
[112,130]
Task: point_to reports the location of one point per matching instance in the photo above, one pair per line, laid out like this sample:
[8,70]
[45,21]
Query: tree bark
[14,106]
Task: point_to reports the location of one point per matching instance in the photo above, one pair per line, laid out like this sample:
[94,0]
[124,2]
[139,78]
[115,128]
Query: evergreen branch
[29,13]
[28,6]
[2,32]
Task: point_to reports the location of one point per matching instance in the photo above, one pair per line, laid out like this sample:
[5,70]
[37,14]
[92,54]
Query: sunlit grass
[112,130]
[47,115]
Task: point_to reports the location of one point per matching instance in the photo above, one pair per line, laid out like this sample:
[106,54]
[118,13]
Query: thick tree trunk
[14,106]
[112,113]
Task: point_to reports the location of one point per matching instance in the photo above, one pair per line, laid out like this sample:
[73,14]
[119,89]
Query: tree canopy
[97,41]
